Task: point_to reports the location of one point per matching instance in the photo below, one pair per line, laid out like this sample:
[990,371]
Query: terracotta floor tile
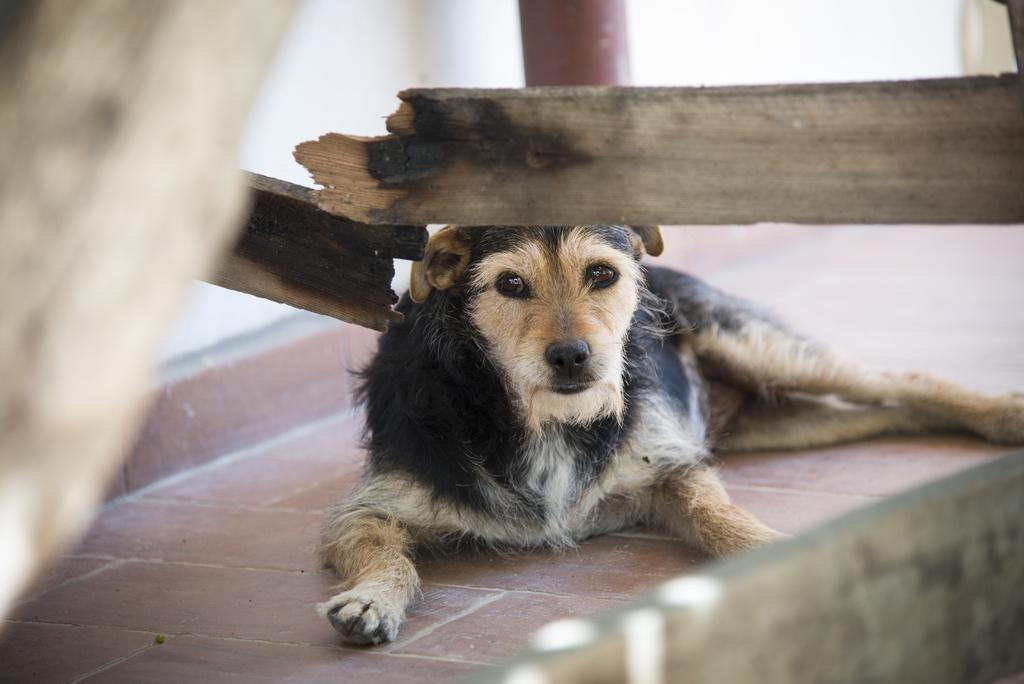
[206,534]
[223,602]
[223,408]
[877,467]
[437,605]
[604,567]
[64,570]
[322,495]
[58,653]
[503,628]
[196,659]
[336,440]
[794,512]
[256,481]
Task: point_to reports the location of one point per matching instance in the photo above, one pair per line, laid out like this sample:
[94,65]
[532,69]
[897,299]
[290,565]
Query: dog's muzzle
[570,362]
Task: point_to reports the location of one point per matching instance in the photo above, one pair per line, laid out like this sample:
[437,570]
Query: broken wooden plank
[295,253]
[923,587]
[934,151]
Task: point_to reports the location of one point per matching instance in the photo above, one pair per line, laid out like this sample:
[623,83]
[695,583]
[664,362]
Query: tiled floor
[219,560]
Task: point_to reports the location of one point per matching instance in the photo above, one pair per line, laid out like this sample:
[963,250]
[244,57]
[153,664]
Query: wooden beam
[934,151]
[924,587]
[295,253]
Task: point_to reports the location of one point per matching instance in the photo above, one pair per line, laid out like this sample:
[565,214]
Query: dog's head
[552,304]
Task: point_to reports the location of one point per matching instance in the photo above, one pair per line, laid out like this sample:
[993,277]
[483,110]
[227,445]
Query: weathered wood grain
[934,151]
[119,127]
[924,587]
[295,253]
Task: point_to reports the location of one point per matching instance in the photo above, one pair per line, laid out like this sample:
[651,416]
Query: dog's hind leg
[371,554]
[805,423]
[694,505]
[771,361]
[741,345]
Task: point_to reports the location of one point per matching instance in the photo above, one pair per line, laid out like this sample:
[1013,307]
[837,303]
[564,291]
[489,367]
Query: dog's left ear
[445,259]
[647,239]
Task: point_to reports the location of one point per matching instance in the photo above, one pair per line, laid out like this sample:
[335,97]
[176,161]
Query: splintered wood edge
[403,121]
[339,163]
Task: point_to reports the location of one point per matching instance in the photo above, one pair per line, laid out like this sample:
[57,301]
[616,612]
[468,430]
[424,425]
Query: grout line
[81,625]
[171,635]
[280,333]
[534,592]
[416,656]
[113,663]
[238,455]
[357,468]
[426,631]
[817,492]
[197,564]
[226,506]
[110,564]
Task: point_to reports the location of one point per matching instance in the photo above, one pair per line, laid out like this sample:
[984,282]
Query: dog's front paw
[362,617]
[1003,422]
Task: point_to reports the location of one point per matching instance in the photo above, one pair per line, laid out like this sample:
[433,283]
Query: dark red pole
[574,42]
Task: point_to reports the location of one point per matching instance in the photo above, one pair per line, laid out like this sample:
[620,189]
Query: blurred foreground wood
[923,587]
[119,122]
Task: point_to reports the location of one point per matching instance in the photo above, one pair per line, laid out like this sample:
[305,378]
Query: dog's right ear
[649,238]
[445,259]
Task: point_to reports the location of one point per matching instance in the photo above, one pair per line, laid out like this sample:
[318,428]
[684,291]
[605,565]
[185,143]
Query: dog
[545,386]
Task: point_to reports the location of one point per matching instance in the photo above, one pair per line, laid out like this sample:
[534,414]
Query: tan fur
[694,504]
[372,555]
[562,306]
[808,423]
[444,260]
[772,362]
[650,239]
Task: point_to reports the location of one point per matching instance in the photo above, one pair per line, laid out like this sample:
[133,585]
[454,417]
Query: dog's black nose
[568,357]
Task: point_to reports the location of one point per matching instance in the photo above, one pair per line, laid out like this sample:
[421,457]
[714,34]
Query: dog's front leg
[371,554]
[693,504]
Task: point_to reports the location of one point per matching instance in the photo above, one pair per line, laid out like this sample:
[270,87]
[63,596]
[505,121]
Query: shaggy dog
[545,387]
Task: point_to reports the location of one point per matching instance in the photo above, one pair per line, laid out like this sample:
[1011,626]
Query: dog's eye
[511,285]
[601,275]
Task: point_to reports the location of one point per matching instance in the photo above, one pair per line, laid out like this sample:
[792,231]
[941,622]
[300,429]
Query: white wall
[343,61]
[721,42]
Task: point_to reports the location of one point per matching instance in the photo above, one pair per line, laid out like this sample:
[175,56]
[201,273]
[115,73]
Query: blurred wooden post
[119,125]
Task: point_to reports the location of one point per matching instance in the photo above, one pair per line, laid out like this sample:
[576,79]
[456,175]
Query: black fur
[437,410]
[695,305]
